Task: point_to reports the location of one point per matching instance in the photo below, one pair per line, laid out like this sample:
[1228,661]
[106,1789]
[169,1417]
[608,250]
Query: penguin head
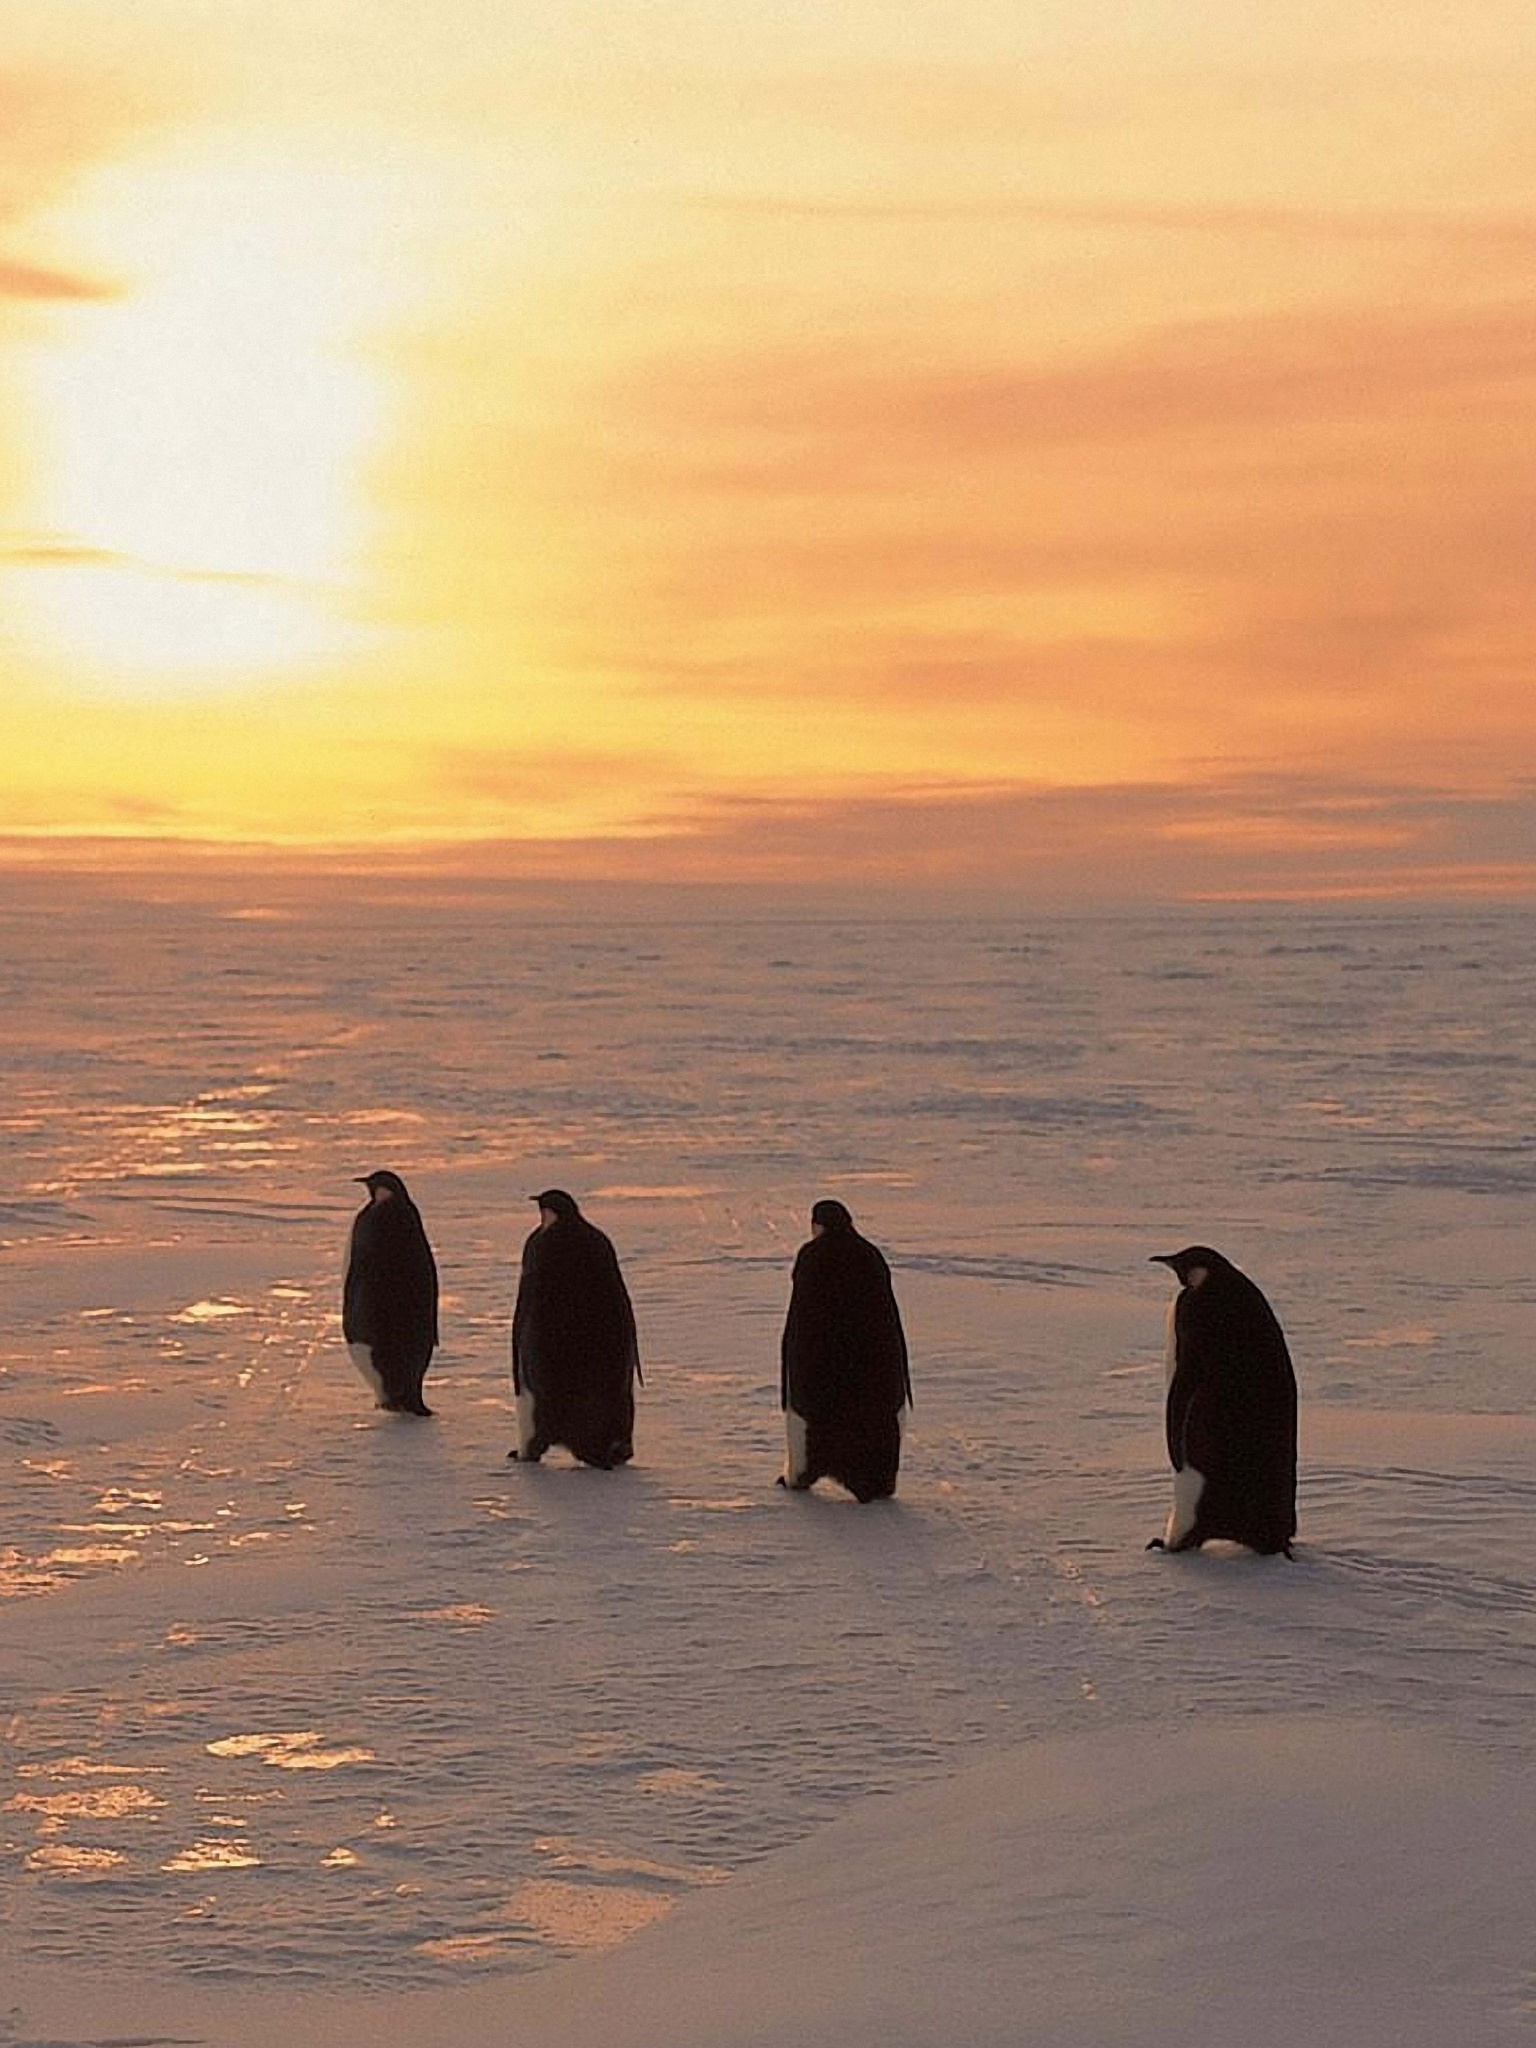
[1194,1265]
[830,1215]
[384,1187]
[555,1205]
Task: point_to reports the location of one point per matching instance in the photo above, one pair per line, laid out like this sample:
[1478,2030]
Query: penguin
[1231,1410]
[844,1380]
[575,1348]
[389,1298]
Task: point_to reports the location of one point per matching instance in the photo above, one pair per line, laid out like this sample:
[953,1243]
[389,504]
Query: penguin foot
[528,1457]
[1157,1543]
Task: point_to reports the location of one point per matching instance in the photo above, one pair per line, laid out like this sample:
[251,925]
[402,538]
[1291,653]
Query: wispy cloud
[1233,838]
[1231,835]
[34,281]
[815,419]
[1511,231]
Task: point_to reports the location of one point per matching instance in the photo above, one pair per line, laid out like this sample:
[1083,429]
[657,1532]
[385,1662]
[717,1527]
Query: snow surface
[328,1725]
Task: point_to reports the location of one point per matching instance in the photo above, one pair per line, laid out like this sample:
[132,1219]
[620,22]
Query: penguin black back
[1231,1409]
[389,1297]
[844,1379]
[575,1347]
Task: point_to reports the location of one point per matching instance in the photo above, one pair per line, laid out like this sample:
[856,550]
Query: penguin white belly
[1189,1484]
[362,1357]
[795,1460]
[527,1421]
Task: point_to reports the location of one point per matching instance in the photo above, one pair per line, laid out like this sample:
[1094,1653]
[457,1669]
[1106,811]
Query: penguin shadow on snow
[405,1471]
[591,1507]
[882,1537]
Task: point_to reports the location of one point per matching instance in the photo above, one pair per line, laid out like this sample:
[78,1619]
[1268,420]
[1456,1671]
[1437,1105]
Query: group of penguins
[845,1384]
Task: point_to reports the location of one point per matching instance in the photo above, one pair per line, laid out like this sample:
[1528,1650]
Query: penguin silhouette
[1231,1410]
[575,1349]
[389,1297]
[844,1380]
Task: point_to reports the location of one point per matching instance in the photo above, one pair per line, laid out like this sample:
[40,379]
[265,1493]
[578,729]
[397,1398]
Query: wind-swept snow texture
[318,1719]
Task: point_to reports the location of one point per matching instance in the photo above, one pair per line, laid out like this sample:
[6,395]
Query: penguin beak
[1162,1259]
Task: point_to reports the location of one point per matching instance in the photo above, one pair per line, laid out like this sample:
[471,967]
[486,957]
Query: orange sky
[973,442]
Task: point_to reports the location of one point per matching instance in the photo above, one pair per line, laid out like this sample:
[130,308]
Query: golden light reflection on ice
[291,1750]
[91,1553]
[21,1575]
[674,1783]
[86,1767]
[103,1802]
[467,1614]
[60,1859]
[117,1499]
[210,1311]
[137,1530]
[202,1856]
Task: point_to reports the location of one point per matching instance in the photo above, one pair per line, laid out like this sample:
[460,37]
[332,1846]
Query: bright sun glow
[205,437]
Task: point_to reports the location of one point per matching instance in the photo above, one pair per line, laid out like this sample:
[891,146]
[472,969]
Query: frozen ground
[316,1713]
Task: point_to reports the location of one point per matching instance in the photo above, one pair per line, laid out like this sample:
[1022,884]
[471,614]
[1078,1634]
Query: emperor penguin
[1231,1410]
[575,1347]
[389,1297]
[844,1380]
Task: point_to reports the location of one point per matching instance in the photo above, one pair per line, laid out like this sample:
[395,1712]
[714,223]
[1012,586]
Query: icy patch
[466,1614]
[584,1916]
[292,1750]
[62,1859]
[676,1783]
[106,1802]
[218,1854]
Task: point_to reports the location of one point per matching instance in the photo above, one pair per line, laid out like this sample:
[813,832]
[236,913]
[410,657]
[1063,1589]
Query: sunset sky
[987,441]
